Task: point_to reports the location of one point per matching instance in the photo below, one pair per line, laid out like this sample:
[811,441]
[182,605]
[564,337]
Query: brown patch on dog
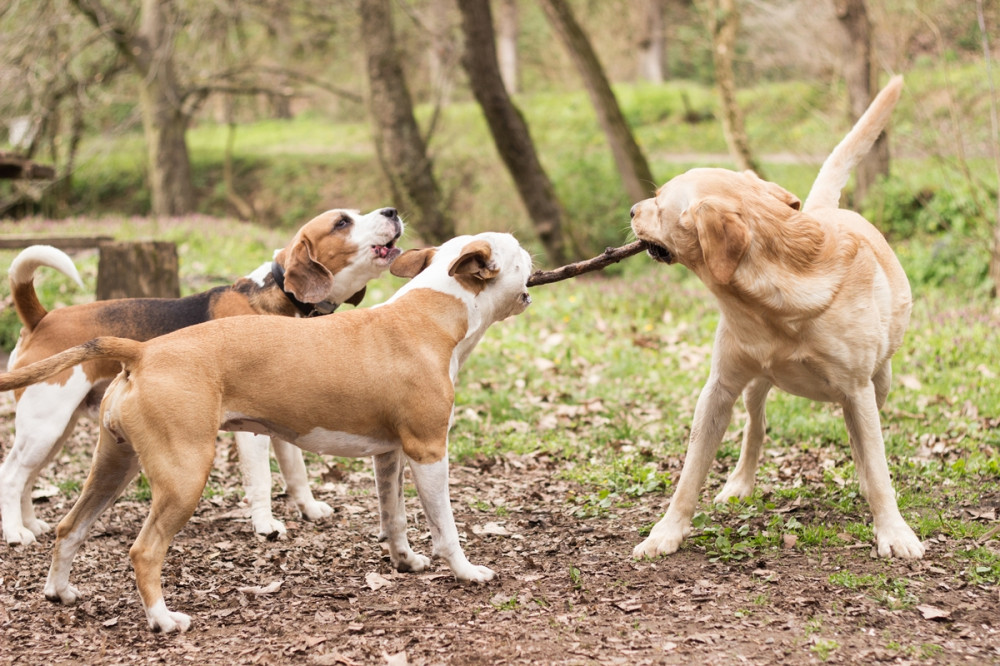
[474,266]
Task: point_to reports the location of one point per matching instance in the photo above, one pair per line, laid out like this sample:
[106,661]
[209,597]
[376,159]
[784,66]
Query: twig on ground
[611,255]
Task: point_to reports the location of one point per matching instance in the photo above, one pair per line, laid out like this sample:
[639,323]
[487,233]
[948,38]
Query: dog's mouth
[659,253]
[386,254]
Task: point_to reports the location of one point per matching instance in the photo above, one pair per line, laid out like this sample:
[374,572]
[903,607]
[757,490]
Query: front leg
[392,512]
[432,486]
[255,467]
[711,418]
[892,535]
[293,471]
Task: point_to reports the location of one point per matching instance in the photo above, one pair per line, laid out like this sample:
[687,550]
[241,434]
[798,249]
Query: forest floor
[568,591]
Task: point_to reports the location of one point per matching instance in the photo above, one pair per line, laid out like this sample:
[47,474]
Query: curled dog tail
[116,349]
[22,280]
[833,175]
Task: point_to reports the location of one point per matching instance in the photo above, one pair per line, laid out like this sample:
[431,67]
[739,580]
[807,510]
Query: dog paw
[662,540]
[37,527]
[269,527]
[734,488]
[18,535]
[66,596]
[410,562]
[899,542]
[163,620]
[315,510]
[475,574]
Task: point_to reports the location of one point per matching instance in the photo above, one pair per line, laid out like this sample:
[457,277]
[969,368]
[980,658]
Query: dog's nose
[389,212]
[631,212]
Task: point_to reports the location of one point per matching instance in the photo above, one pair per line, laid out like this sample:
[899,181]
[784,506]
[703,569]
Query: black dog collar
[307,309]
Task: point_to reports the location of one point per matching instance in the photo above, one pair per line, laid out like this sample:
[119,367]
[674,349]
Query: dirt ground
[567,593]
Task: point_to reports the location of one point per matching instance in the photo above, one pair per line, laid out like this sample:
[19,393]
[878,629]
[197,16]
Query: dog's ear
[723,235]
[356,298]
[305,278]
[475,261]
[411,262]
[777,191]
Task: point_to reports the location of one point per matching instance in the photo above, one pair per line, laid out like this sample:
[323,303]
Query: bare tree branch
[611,255]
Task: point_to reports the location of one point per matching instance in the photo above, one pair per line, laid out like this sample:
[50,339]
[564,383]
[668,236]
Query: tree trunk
[652,45]
[862,84]
[723,22]
[632,165]
[401,149]
[507,28]
[150,51]
[509,130]
[137,270]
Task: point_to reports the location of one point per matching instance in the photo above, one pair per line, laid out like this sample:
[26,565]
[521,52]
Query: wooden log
[13,167]
[138,270]
[62,242]
[611,255]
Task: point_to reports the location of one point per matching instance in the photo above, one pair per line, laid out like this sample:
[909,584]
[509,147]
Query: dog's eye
[342,223]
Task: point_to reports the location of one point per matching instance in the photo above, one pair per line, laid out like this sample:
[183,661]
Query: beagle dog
[813,301]
[328,262]
[374,382]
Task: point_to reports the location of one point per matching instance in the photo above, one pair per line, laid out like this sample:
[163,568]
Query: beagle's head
[707,219]
[335,254]
[488,272]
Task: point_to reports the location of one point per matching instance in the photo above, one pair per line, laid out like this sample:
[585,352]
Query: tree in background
[652,44]
[723,20]
[507,29]
[508,128]
[861,77]
[149,49]
[402,152]
[632,166]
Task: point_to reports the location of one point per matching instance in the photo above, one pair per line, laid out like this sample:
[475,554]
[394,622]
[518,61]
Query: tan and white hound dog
[374,382]
[328,261]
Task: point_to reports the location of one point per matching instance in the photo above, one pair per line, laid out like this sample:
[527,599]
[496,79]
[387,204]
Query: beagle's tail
[116,349]
[833,175]
[22,280]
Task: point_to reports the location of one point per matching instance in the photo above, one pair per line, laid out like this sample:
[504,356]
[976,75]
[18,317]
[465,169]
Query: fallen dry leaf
[258,591]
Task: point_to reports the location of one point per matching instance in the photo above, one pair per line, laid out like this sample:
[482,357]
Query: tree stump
[137,270]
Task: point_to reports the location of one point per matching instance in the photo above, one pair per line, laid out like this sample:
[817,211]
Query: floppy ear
[305,278]
[411,262]
[724,238]
[356,298]
[777,191]
[475,261]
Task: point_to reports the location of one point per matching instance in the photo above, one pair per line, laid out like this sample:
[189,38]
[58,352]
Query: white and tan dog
[329,261]
[813,302]
[378,382]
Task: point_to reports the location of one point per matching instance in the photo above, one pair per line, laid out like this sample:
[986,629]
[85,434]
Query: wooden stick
[611,255]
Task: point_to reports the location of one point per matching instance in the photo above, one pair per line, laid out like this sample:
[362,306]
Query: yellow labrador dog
[813,302]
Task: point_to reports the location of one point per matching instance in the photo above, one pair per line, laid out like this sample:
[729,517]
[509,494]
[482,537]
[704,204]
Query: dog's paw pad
[316,510]
[269,527]
[37,527]
[67,596]
[169,622]
[411,563]
[19,536]
[477,574]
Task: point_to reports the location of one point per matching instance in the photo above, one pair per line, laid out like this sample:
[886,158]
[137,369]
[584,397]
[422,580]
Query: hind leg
[115,465]
[177,470]
[880,380]
[392,512]
[45,417]
[293,471]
